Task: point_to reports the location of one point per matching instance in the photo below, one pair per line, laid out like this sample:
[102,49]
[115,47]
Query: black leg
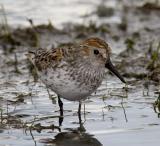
[79,113]
[81,127]
[60,103]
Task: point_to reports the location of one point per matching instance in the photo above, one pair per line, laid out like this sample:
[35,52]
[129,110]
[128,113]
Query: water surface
[113,115]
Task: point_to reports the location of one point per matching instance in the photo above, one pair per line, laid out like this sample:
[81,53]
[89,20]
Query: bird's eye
[96,52]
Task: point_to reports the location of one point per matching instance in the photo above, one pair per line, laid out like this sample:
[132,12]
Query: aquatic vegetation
[34,33]
[154,57]
[1,115]
[104,11]
[130,44]
[16,65]
[124,24]
[150,6]
[38,127]
[156,106]
[154,64]
[4,23]
[32,71]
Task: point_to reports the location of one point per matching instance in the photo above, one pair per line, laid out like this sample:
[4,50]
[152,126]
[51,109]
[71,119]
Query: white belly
[63,84]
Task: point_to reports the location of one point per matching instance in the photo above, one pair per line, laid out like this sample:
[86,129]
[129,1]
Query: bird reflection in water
[73,137]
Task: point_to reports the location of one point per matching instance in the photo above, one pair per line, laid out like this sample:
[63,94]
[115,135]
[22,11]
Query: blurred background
[63,11]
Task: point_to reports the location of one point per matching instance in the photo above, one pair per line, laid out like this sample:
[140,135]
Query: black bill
[110,66]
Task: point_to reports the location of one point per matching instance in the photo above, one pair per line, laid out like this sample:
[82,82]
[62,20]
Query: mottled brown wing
[48,58]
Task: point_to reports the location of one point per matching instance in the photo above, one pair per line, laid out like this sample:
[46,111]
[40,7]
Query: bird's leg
[60,103]
[81,127]
[79,113]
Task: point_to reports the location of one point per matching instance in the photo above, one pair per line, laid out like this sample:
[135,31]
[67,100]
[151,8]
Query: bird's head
[97,52]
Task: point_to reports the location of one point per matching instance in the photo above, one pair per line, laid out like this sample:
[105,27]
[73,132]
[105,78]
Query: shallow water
[114,115]
[110,118]
[56,11]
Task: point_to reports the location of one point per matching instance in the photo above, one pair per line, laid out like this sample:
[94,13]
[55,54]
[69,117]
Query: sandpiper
[74,71]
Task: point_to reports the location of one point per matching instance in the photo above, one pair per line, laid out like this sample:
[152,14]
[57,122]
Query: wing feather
[47,58]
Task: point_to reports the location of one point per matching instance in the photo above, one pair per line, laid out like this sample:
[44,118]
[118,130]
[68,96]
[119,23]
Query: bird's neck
[89,70]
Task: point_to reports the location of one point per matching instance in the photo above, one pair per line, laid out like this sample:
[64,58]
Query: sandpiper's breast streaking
[75,71]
